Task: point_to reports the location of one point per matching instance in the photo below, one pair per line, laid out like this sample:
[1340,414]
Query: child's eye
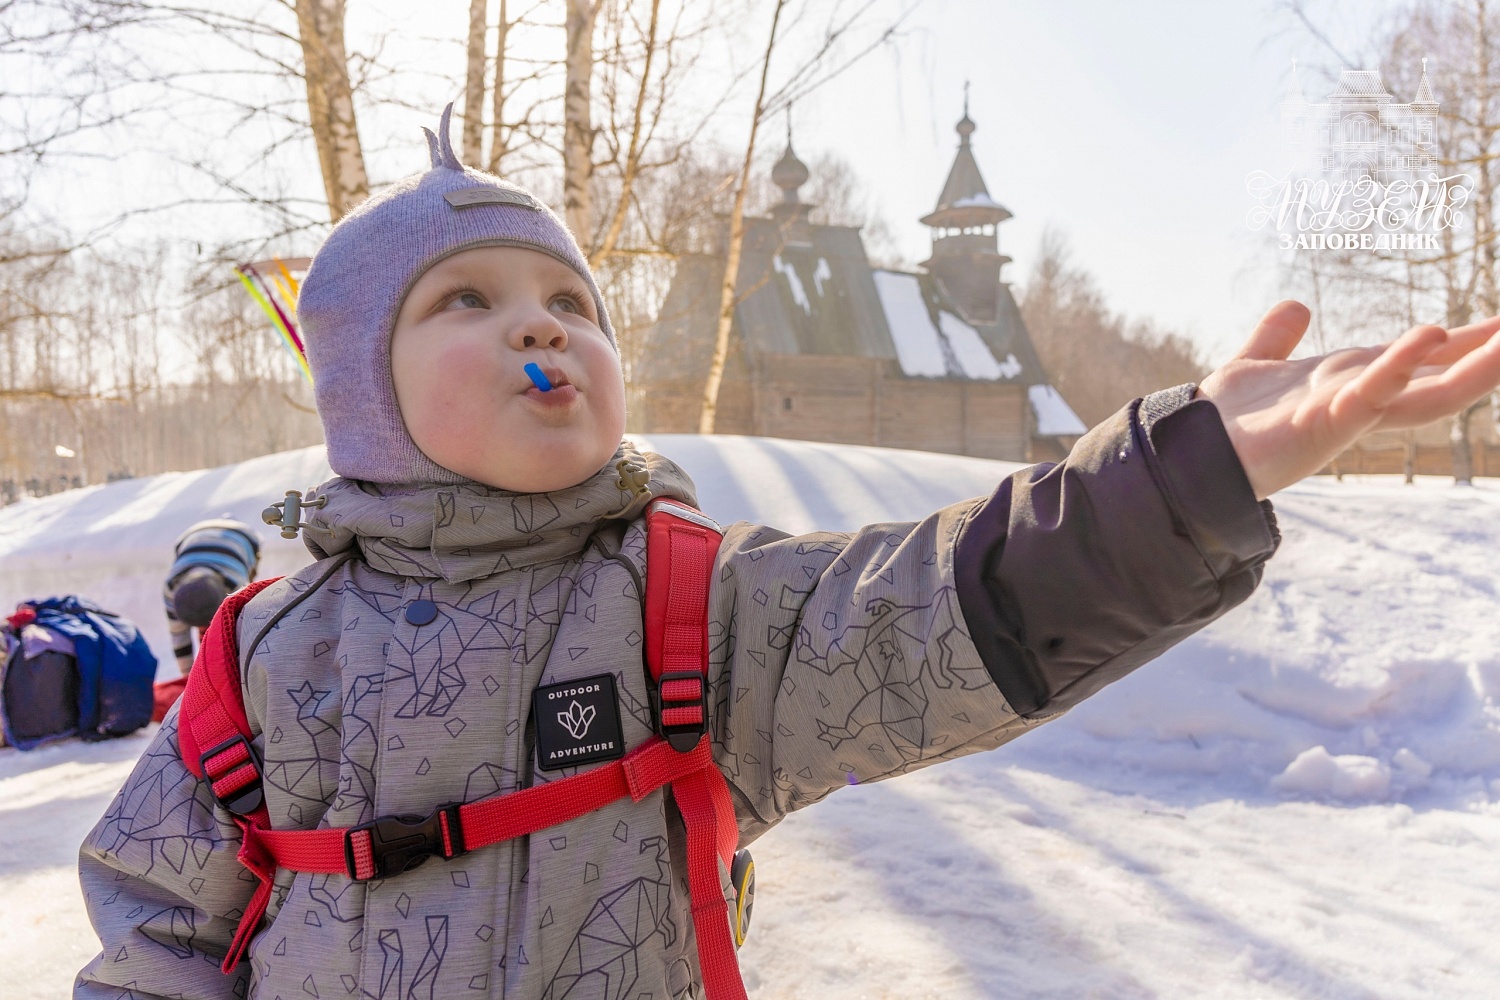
[466,300]
[568,303]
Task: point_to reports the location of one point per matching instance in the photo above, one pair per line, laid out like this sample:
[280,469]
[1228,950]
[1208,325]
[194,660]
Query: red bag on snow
[166,694]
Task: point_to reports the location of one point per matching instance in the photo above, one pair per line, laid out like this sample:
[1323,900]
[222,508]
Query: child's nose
[537,327]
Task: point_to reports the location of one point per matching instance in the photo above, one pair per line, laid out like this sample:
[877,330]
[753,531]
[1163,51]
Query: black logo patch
[577,722]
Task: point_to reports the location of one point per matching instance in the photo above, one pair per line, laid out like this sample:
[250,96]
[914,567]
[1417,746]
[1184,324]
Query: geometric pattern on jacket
[834,658]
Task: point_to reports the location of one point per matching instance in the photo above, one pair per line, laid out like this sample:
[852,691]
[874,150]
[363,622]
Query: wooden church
[826,347]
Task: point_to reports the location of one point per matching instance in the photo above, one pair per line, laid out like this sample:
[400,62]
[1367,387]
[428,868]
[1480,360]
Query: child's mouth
[558,395]
[550,386]
[561,392]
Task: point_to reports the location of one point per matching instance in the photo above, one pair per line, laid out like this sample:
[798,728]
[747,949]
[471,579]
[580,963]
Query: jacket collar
[469,531]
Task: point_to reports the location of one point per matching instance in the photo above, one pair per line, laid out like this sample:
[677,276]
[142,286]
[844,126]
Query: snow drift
[1373,639]
[1301,801]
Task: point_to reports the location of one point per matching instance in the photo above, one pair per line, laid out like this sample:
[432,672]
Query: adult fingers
[1278,333]
[1465,339]
[1363,399]
[1430,398]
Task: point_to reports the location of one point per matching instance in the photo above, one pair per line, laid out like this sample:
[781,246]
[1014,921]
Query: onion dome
[789,174]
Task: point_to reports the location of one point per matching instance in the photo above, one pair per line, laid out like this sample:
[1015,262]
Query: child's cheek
[457,380]
[472,366]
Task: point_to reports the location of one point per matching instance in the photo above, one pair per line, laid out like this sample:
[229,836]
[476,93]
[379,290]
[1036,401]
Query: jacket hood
[469,531]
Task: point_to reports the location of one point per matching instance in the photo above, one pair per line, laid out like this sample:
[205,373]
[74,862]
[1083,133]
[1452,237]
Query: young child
[211,560]
[482,540]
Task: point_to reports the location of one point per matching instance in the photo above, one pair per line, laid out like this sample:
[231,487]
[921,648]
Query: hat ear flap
[432,147]
[449,159]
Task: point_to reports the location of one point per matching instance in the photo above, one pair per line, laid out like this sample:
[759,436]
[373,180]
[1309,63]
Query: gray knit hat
[353,291]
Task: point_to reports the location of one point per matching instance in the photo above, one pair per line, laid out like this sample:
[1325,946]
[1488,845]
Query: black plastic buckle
[246,800]
[682,738]
[399,843]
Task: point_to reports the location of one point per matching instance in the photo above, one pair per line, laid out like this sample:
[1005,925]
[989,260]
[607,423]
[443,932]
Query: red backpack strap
[213,731]
[213,737]
[682,545]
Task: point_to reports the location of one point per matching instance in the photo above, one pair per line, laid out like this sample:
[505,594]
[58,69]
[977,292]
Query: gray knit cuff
[1165,402]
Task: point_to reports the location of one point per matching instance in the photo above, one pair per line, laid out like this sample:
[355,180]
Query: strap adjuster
[391,845]
[681,708]
[233,773]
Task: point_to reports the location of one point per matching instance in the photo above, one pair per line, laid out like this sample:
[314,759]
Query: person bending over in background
[213,559]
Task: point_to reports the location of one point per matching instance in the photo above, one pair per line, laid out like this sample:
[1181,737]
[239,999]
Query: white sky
[1129,127]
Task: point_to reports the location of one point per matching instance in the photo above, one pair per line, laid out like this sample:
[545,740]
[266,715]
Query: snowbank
[1303,800]
[1350,777]
[1374,634]
[114,543]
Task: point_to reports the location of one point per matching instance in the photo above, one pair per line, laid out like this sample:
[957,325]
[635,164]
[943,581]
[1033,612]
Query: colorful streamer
[286,285]
[285,326]
[295,286]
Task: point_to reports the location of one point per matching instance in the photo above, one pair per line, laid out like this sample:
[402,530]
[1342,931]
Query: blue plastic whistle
[538,377]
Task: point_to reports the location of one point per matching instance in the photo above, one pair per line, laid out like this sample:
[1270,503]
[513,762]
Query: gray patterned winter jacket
[833,655]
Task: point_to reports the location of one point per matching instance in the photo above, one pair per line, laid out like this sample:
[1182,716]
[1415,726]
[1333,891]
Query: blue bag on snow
[115,673]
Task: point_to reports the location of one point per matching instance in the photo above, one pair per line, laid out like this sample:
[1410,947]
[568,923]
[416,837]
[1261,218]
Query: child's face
[464,335]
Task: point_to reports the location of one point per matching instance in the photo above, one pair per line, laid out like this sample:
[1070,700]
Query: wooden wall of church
[817,398]
[851,400]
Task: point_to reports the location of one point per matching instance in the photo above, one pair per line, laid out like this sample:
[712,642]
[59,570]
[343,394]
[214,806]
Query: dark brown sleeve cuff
[1202,478]
[1070,576]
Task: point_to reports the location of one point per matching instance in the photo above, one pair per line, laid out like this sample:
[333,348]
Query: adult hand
[1288,419]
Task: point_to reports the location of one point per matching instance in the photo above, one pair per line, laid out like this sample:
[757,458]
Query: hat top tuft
[445,156]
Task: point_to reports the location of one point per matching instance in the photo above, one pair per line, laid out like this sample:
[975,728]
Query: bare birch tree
[330,104]
[631,166]
[649,117]
[503,125]
[474,66]
[736,241]
[497,96]
[87,325]
[578,127]
[115,61]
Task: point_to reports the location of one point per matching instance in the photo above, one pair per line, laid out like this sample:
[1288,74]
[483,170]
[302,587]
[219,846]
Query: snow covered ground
[1301,802]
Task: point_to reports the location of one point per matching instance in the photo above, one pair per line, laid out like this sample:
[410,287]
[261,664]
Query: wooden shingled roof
[819,296]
